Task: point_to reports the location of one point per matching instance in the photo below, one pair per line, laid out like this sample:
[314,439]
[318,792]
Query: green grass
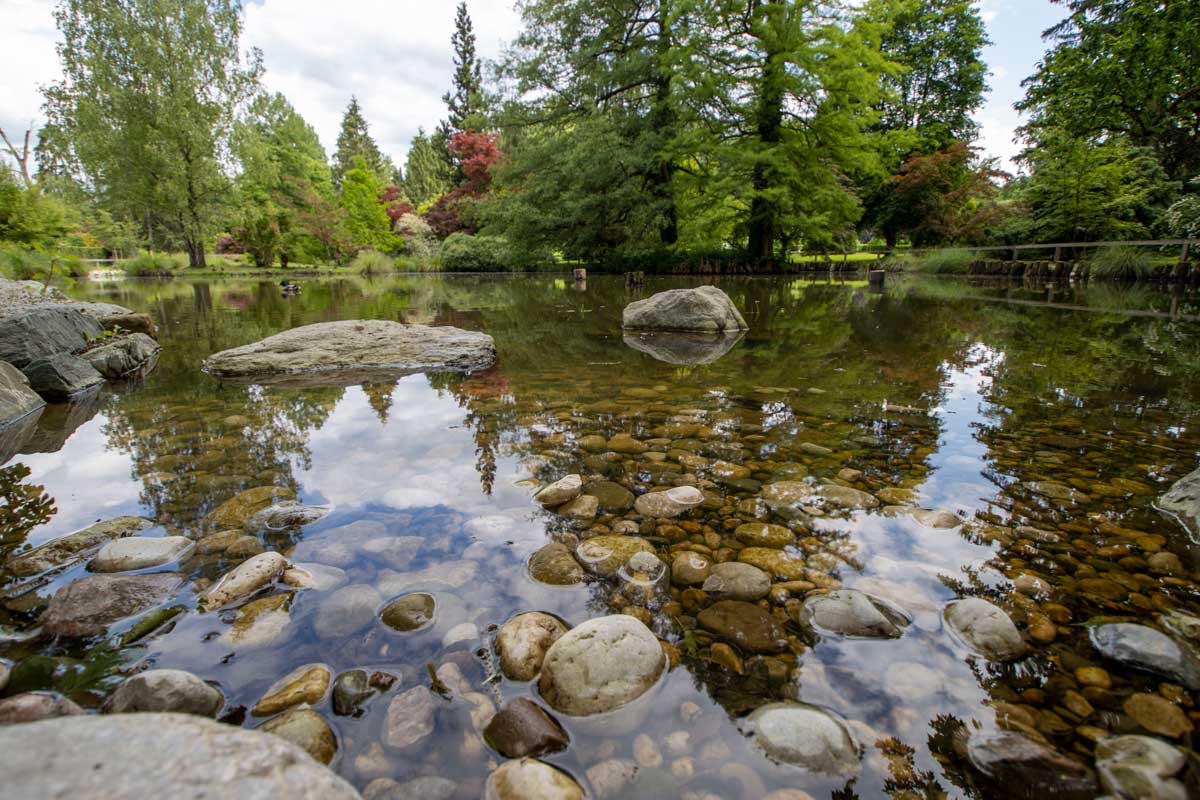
[372,262]
[148,263]
[833,258]
[943,262]
[1120,263]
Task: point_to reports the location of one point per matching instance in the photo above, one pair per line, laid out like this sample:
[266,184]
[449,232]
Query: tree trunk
[764,215]
[663,122]
[889,237]
[195,252]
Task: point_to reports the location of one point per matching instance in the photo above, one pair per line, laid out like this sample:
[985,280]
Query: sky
[395,56]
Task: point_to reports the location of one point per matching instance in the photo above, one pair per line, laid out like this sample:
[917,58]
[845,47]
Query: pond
[1042,421]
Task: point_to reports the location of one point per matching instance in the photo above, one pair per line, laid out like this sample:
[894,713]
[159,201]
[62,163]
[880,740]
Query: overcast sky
[395,56]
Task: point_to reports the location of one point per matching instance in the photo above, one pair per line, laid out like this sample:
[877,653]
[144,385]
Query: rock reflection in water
[683,349]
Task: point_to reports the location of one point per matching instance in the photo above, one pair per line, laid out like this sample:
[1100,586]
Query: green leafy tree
[1124,68]
[27,216]
[145,107]
[367,220]
[592,147]
[936,82]
[354,141]
[464,102]
[427,176]
[275,147]
[1093,191]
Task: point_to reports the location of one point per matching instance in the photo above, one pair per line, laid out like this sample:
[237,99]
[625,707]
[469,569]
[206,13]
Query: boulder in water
[705,308]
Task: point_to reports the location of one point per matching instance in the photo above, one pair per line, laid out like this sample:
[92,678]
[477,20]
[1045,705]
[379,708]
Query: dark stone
[744,624]
[60,376]
[409,613]
[523,728]
[17,399]
[351,690]
[1145,648]
[43,332]
[127,357]
[88,606]
[1022,767]
[612,496]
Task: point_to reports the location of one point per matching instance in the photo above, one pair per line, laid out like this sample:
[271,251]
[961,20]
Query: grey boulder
[705,308]
[159,755]
[67,549]
[348,351]
[853,613]
[17,399]
[140,552]
[804,736]
[125,357]
[1144,648]
[44,331]
[61,375]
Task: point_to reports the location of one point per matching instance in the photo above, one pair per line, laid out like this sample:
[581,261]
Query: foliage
[420,245]
[946,196]
[22,263]
[936,81]
[427,175]
[477,155]
[1182,219]
[1122,69]
[149,263]
[1121,263]
[394,203]
[107,113]
[274,146]
[1093,191]
[462,252]
[944,262]
[322,220]
[27,216]
[354,141]
[367,221]
[464,101]
[372,262]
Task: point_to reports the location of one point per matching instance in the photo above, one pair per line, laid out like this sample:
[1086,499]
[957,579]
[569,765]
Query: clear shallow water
[989,388]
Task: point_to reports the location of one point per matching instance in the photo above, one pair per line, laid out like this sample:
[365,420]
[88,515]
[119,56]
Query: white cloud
[27,60]
[395,55]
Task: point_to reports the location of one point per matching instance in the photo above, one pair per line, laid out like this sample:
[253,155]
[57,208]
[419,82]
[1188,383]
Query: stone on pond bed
[66,549]
[804,736]
[1023,767]
[523,641]
[33,706]
[527,779]
[165,690]
[601,665]
[604,555]
[348,351]
[523,728]
[553,564]
[853,613]
[734,580]
[1182,501]
[745,624]
[561,491]
[140,552]
[1147,649]
[307,730]
[409,613]
[985,628]
[88,606]
[249,577]
[305,684]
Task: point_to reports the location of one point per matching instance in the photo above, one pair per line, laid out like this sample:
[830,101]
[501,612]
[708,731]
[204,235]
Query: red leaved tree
[477,155]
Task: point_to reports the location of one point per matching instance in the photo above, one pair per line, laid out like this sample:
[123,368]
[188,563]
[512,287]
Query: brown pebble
[1093,676]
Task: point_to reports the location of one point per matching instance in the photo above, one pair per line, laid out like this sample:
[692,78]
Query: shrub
[420,245]
[462,252]
[372,262]
[944,262]
[22,264]
[149,263]
[1120,263]
[220,262]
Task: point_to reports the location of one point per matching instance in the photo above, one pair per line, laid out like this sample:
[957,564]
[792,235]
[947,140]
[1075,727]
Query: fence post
[1181,272]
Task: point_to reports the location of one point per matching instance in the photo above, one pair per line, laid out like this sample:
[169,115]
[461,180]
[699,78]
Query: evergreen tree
[427,175]
[464,102]
[367,220]
[354,141]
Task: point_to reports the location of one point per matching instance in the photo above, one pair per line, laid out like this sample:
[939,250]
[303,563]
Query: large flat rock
[350,351]
[158,755]
[44,331]
[1183,502]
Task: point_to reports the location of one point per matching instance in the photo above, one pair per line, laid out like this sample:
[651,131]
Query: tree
[945,197]
[464,101]
[354,141]
[318,216]
[1081,191]
[936,82]
[797,121]
[596,127]
[1122,68]
[477,155]
[367,221]
[427,176]
[274,144]
[146,104]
